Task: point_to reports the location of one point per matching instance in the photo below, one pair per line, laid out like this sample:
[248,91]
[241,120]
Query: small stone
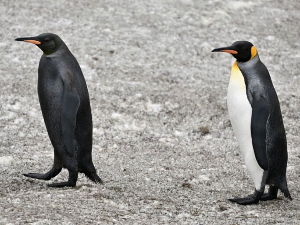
[204,130]
[186,185]
[223,208]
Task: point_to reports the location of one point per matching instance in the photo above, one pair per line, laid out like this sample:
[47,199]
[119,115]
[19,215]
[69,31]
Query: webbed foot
[249,200]
[44,176]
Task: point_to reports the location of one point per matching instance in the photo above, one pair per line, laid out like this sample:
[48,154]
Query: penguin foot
[267,197]
[249,200]
[245,201]
[62,184]
[271,195]
[73,175]
[40,176]
[44,176]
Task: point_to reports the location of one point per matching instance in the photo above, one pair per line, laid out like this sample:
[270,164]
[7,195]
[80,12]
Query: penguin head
[47,42]
[243,51]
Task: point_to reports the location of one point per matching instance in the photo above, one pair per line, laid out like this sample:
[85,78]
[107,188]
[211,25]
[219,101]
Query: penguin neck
[61,50]
[247,67]
[250,62]
[238,76]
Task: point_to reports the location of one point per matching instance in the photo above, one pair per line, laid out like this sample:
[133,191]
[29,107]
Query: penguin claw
[232,199]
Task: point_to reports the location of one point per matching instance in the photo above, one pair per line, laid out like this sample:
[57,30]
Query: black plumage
[65,106]
[267,129]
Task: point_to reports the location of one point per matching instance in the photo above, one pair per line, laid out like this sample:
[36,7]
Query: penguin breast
[240,113]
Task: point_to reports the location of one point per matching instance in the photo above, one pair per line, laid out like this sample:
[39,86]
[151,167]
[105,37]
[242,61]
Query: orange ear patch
[33,42]
[230,51]
[253,52]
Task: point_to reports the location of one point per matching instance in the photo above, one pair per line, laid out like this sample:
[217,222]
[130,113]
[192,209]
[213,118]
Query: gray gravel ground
[163,143]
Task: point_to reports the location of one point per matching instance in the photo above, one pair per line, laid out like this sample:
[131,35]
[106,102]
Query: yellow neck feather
[237,76]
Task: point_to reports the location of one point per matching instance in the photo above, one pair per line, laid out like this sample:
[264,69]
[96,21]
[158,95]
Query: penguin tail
[93,177]
[287,194]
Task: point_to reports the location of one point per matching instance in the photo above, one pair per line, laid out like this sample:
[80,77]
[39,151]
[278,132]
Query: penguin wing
[260,115]
[70,105]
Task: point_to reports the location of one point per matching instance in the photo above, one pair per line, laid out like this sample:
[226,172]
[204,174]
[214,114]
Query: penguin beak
[29,39]
[225,49]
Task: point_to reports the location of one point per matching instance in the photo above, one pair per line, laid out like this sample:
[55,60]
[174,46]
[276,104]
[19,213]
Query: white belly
[240,113]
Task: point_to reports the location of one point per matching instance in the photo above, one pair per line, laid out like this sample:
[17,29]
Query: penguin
[255,115]
[65,105]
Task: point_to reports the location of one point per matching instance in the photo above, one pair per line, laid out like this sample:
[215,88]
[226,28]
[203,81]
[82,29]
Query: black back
[267,114]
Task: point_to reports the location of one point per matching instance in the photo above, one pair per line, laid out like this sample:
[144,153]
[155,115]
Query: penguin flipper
[70,105]
[260,115]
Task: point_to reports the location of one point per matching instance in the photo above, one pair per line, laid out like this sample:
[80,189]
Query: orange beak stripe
[33,42]
[230,51]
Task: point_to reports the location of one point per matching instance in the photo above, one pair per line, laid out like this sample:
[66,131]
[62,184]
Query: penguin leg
[73,175]
[272,194]
[44,176]
[250,199]
[72,167]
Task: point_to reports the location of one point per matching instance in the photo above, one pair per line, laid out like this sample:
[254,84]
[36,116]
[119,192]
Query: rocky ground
[163,143]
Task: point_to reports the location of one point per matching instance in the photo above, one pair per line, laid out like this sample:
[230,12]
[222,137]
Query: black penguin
[65,105]
[256,118]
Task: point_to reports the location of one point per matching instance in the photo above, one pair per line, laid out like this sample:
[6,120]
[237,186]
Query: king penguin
[65,105]
[256,119]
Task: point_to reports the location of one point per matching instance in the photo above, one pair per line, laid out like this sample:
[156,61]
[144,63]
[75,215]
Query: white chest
[240,113]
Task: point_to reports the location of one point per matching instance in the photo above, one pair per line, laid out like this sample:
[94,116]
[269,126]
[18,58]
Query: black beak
[228,49]
[32,40]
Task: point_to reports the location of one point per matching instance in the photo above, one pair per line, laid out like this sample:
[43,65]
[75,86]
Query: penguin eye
[47,40]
